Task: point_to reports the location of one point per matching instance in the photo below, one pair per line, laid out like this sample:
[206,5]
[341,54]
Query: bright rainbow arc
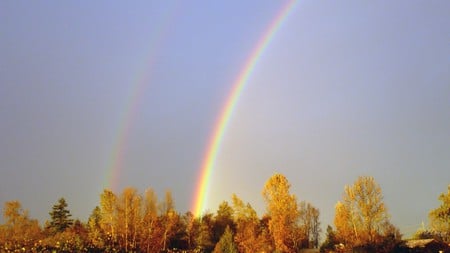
[201,194]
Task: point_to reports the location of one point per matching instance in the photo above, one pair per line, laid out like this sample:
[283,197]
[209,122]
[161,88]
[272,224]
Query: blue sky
[344,89]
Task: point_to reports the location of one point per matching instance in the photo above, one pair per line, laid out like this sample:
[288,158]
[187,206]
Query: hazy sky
[346,88]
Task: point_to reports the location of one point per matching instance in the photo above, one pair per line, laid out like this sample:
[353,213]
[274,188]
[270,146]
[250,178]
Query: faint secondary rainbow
[119,150]
[201,193]
[133,101]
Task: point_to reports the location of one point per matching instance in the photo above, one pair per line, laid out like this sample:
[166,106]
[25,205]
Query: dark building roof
[425,245]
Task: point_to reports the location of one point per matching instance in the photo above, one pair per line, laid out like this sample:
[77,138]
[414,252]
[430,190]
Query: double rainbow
[133,101]
[201,193]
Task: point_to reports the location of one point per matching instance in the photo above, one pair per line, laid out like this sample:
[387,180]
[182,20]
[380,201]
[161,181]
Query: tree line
[135,222]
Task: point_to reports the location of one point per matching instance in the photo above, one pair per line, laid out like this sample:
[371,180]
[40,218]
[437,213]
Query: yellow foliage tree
[283,211]
[108,214]
[361,218]
[19,233]
[95,232]
[169,219]
[151,233]
[246,221]
[129,218]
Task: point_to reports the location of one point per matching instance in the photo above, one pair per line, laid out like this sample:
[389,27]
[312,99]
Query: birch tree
[108,210]
[361,218]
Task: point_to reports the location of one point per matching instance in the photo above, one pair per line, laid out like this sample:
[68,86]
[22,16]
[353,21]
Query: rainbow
[137,90]
[201,193]
[120,148]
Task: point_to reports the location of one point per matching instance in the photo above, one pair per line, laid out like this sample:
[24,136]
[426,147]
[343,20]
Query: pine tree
[226,243]
[330,241]
[60,217]
[223,219]
[204,236]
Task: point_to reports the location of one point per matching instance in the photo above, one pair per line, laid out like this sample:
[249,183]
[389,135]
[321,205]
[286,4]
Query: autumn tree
[180,239]
[169,219]
[129,218]
[95,233]
[192,226]
[440,217]
[60,217]
[247,225]
[72,239]
[361,218]
[151,230]
[390,238]
[283,211]
[19,231]
[108,213]
[310,224]
[424,233]
[265,240]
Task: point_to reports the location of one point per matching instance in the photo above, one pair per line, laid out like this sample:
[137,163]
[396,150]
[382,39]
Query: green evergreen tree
[330,242]
[60,217]
[224,218]
[226,243]
[204,236]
